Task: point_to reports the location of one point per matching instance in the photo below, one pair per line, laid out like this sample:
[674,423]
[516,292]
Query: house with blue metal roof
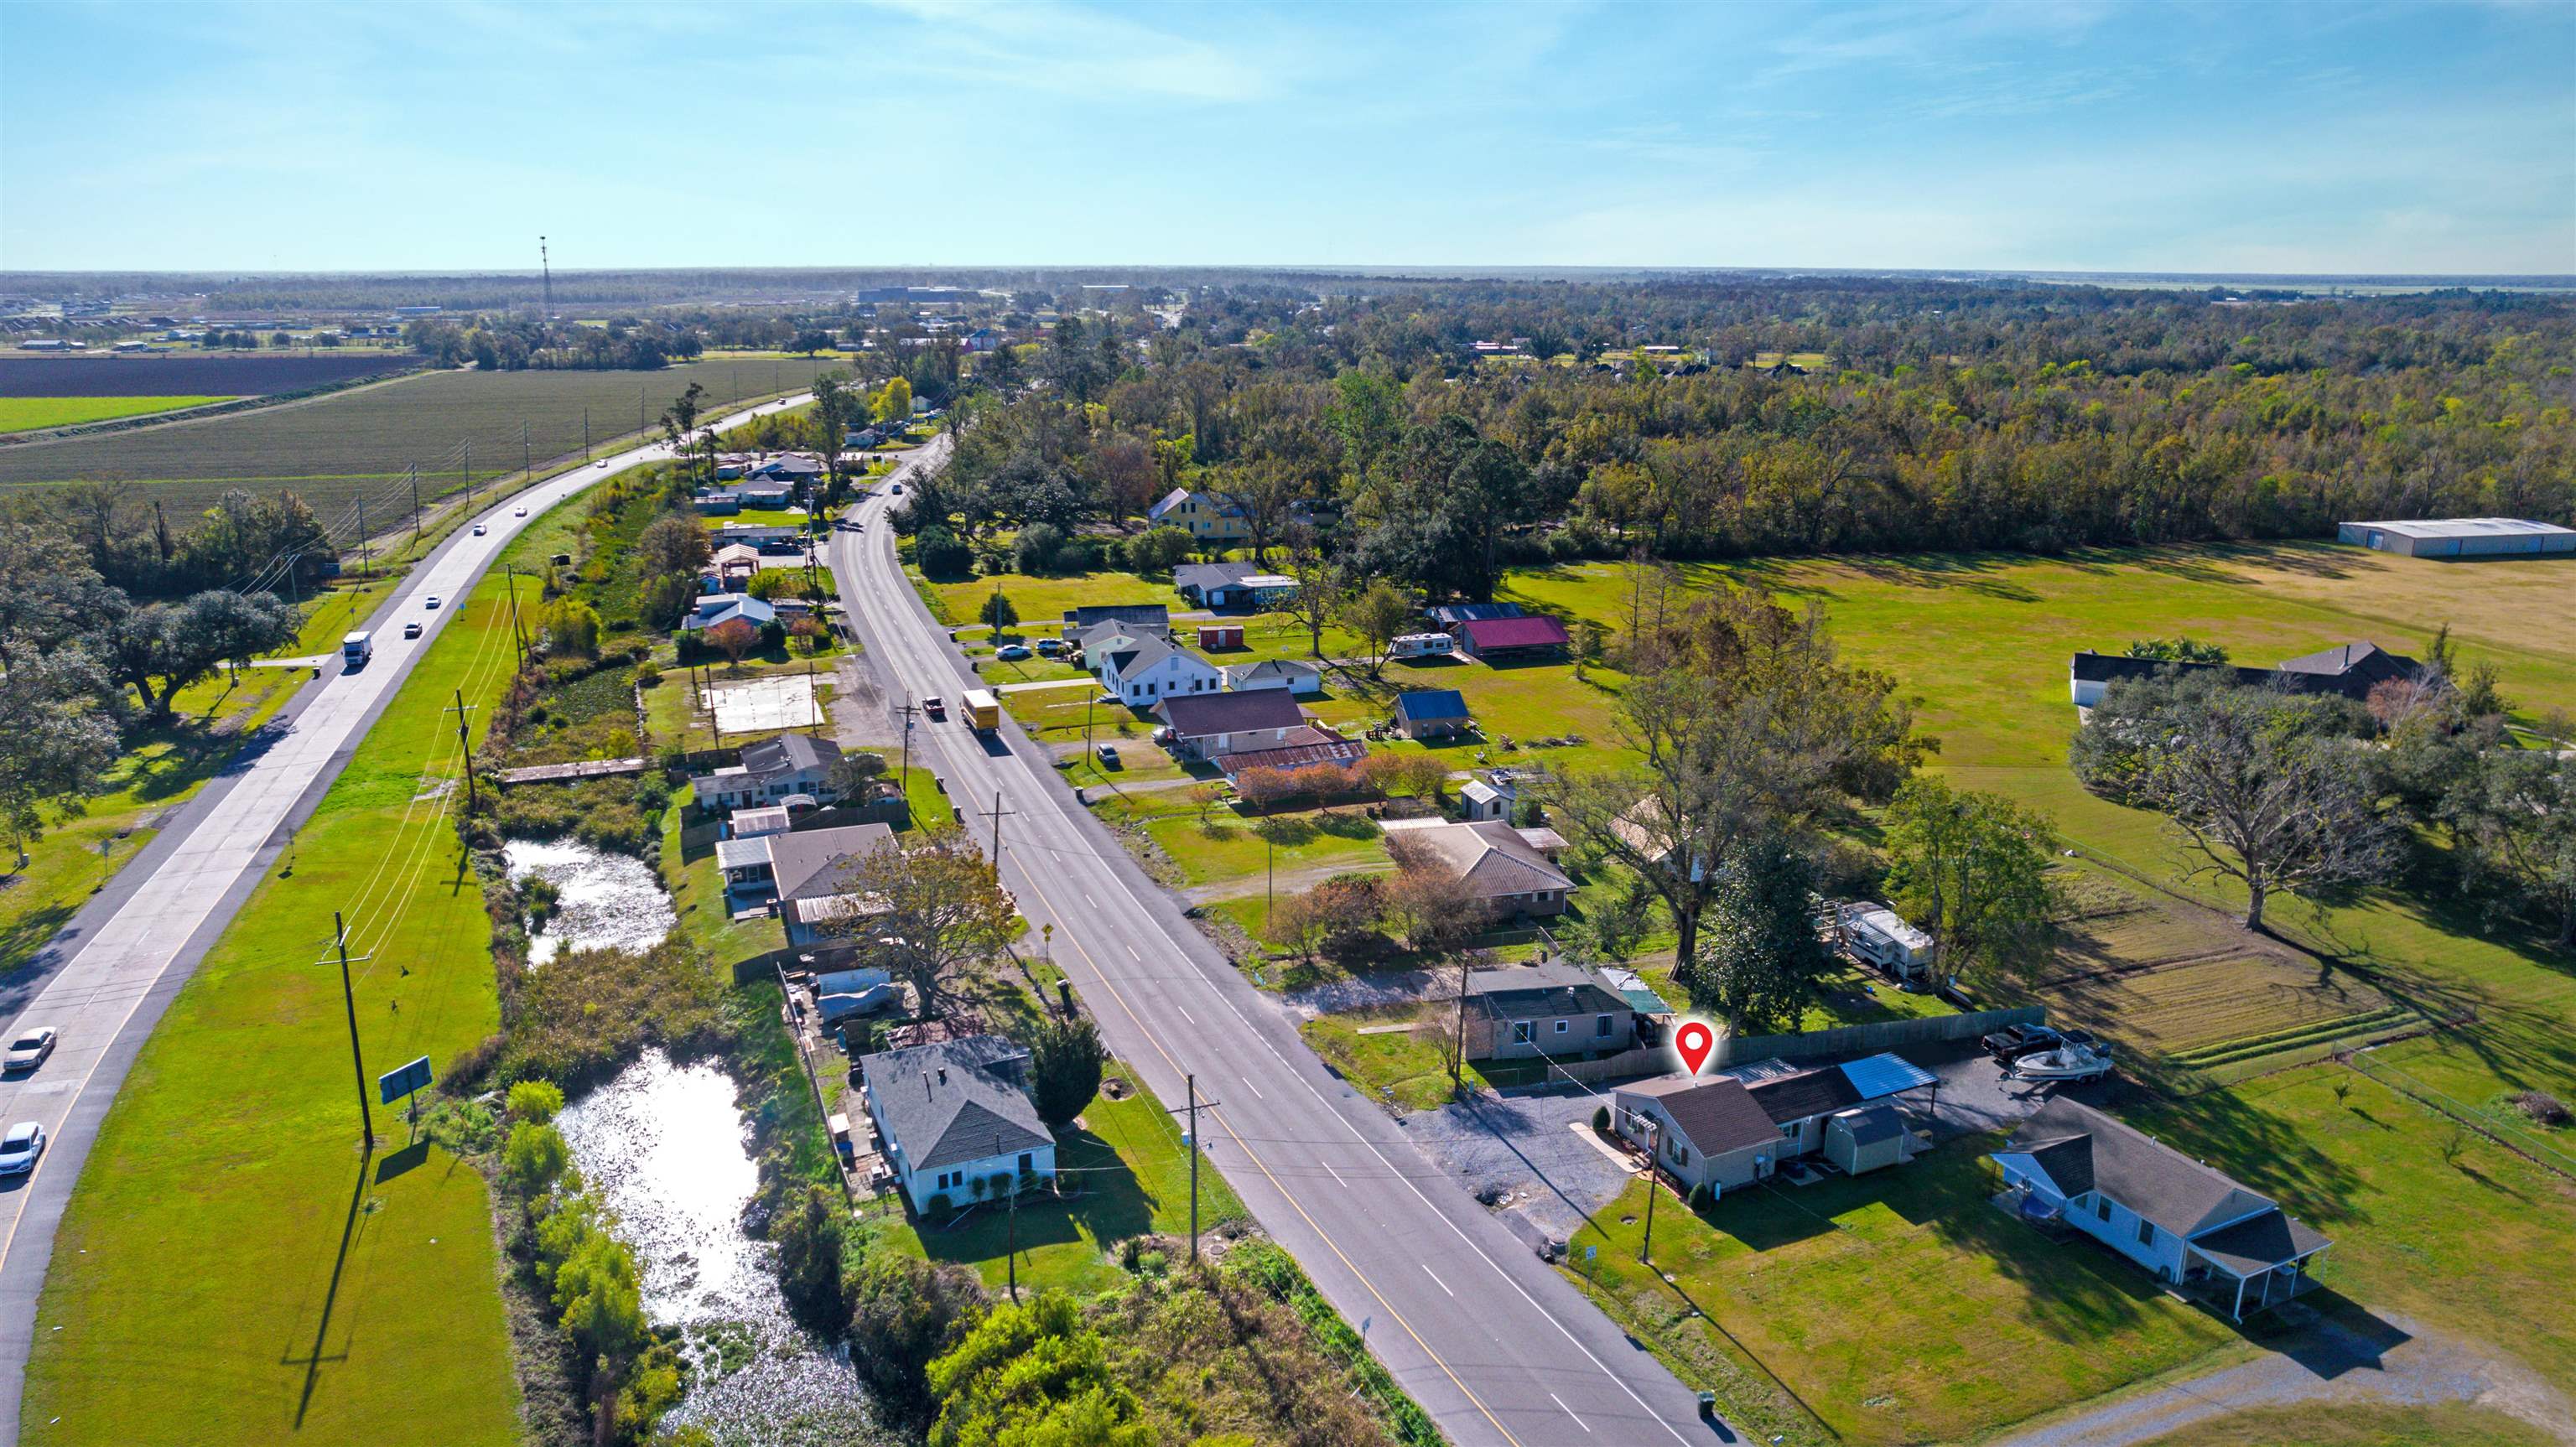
[1432,713]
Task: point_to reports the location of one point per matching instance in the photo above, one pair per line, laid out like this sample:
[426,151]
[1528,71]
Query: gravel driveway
[2393,1361]
[1525,1146]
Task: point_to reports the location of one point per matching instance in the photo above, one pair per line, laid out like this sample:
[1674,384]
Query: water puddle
[611,901]
[664,1149]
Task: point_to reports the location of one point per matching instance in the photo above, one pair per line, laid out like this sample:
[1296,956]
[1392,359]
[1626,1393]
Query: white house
[2189,1224]
[1145,671]
[771,771]
[1298,678]
[956,1125]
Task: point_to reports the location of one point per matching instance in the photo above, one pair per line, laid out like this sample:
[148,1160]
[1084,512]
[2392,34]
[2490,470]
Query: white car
[479,530]
[430,602]
[519,512]
[412,629]
[30,1048]
[20,1147]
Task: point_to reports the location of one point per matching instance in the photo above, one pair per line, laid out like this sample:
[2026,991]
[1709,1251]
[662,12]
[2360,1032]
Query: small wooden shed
[1220,635]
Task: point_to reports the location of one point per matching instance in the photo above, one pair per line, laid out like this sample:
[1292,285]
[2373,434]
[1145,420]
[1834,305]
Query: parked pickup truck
[2015,1041]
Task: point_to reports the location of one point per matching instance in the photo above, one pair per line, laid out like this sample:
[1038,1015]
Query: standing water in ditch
[663,1147]
[604,900]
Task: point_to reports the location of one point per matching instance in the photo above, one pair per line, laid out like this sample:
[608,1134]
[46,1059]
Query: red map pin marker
[1694,1040]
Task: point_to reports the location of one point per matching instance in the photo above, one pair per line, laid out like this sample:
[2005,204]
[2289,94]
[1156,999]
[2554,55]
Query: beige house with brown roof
[1504,869]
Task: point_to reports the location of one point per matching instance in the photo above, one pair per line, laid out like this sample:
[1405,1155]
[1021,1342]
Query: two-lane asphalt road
[105,978]
[1496,1346]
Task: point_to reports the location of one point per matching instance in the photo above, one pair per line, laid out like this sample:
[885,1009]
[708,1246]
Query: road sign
[393,1085]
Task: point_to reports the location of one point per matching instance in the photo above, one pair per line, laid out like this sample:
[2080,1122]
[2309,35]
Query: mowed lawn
[231,1268]
[1132,1170]
[1897,1306]
[28,414]
[1981,643]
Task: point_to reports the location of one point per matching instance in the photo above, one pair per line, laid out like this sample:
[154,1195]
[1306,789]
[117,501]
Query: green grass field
[1898,1306]
[227,1236]
[2458,1243]
[30,414]
[360,442]
[1133,1171]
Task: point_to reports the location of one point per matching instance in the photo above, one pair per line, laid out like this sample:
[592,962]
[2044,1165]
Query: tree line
[1946,416]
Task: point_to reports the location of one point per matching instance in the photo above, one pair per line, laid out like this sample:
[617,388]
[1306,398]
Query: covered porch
[2252,1266]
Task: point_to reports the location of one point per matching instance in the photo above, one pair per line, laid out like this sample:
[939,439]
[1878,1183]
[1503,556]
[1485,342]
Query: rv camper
[1876,934]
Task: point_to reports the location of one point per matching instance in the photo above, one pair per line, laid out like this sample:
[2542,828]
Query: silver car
[30,1048]
[20,1148]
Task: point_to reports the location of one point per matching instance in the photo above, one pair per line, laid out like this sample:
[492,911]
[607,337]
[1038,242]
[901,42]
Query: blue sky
[2258,137]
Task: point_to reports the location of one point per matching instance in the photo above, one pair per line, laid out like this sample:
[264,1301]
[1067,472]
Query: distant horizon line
[1426,271]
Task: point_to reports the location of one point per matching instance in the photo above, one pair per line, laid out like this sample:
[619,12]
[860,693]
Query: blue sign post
[393,1085]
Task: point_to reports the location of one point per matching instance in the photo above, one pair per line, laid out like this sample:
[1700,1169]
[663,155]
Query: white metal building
[2463,538]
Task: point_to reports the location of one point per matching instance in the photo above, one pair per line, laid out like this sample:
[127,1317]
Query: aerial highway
[105,978]
[1490,1340]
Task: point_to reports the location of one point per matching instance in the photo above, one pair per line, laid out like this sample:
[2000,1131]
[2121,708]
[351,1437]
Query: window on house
[2146,1233]
[1791,1129]
[2102,1207]
[1600,1025]
[1562,1026]
[1520,1032]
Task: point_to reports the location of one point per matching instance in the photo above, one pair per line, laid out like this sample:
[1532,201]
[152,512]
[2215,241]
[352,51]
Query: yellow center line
[1276,1183]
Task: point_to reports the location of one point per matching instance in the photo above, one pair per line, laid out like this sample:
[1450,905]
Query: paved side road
[1492,1342]
[105,978]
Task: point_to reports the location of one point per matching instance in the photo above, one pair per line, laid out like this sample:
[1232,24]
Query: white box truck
[357,648]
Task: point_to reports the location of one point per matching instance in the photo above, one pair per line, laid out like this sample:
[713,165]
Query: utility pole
[357,1062]
[527,462]
[585,434]
[907,708]
[464,747]
[465,472]
[517,635]
[1458,1055]
[362,537]
[1011,1251]
[995,814]
[412,475]
[1194,1147]
[1654,1166]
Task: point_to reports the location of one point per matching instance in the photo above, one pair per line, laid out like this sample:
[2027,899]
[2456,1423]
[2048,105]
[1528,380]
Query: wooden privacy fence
[1869,1039]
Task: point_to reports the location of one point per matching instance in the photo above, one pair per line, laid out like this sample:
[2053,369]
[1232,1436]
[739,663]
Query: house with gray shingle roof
[2189,1223]
[956,1121]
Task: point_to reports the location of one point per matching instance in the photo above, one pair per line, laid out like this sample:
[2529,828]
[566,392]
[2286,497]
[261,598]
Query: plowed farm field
[360,443]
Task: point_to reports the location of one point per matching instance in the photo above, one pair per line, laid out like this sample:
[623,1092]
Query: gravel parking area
[1526,1147]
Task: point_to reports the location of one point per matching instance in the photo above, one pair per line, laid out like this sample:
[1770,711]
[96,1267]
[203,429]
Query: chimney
[943,1075]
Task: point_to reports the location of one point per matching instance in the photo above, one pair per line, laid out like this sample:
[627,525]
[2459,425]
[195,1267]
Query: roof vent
[943,1075]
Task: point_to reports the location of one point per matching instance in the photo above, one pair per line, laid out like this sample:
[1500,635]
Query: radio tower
[546,265]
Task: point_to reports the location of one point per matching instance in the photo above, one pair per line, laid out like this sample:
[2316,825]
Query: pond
[606,900]
[663,1148]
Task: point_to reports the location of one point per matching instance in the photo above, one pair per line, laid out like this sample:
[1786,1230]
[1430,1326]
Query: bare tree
[1318,595]
[928,916]
[2264,788]
[1748,726]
